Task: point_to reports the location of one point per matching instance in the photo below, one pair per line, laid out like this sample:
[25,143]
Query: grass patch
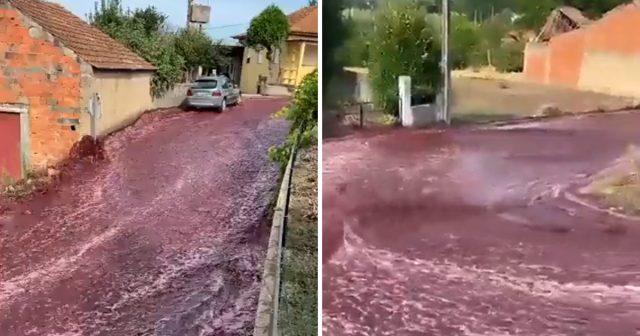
[299,301]
[21,189]
[481,117]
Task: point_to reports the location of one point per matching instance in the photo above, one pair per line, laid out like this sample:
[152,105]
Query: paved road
[166,237]
[474,232]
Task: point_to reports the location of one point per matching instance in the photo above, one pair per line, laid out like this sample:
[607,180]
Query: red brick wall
[566,53]
[617,32]
[35,71]
[535,65]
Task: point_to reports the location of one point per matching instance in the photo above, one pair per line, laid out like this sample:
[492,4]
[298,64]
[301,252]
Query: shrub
[144,31]
[465,41]
[303,115]
[268,30]
[199,50]
[333,34]
[403,43]
[510,57]
[355,51]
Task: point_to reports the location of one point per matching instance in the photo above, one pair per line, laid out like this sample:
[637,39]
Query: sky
[228,17]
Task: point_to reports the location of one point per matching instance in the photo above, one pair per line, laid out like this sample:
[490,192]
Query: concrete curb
[257,96]
[524,120]
[266,323]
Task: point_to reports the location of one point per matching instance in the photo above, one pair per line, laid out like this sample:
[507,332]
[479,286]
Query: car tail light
[216,94]
[189,93]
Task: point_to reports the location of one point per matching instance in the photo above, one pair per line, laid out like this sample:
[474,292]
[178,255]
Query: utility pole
[189,3]
[446,67]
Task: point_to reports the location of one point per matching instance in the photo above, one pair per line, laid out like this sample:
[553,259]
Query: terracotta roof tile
[304,21]
[575,15]
[301,22]
[90,43]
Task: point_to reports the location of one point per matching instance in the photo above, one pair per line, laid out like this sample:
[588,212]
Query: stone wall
[172,98]
[40,72]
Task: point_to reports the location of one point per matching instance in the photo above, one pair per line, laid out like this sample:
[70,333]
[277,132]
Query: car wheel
[223,106]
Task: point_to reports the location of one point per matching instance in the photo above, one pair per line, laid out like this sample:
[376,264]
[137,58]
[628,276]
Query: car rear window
[207,84]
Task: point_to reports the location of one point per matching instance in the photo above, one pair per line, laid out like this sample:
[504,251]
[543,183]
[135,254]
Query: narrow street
[474,232]
[166,236]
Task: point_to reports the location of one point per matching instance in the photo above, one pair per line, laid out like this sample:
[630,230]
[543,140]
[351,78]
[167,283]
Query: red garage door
[10,162]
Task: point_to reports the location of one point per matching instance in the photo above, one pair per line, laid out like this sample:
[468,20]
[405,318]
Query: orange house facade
[602,56]
[297,57]
[54,67]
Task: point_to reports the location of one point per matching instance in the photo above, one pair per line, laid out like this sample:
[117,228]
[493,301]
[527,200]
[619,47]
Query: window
[248,60]
[260,56]
[310,55]
[206,83]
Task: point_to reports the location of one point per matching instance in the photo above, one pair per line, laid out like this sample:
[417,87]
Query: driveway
[475,232]
[165,237]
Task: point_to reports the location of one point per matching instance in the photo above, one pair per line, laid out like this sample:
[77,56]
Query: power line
[227,26]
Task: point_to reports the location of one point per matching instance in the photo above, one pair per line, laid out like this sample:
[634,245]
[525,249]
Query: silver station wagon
[216,92]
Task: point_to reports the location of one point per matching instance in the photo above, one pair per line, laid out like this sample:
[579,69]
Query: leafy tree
[355,51]
[268,30]
[145,32]
[141,31]
[403,43]
[465,41]
[199,50]
[362,4]
[333,36]
[534,13]
[151,19]
[313,2]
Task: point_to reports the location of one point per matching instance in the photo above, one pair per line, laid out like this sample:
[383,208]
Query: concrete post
[303,48]
[404,90]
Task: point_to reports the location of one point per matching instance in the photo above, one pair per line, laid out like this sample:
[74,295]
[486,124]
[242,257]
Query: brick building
[601,56]
[53,67]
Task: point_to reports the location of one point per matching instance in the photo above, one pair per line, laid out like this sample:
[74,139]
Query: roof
[562,20]
[90,43]
[304,21]
[575,15]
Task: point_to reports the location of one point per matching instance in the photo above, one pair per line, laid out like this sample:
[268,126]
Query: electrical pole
[446,67]
[189,3]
